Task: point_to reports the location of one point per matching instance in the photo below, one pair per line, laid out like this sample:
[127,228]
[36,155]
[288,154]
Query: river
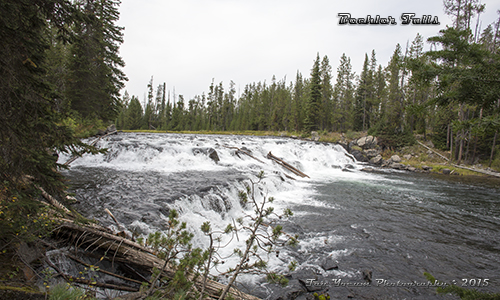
[392,225]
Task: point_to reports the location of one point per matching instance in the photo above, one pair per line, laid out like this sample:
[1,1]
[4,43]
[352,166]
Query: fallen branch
[286,165]
[442,156]
[244,152]
[113,217]
[54,202]
[458,166]
[74,157]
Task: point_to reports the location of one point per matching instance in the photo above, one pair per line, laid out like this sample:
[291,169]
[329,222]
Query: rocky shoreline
[367,150]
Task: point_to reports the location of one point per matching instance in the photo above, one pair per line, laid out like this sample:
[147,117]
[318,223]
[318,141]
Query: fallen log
[286,165]
[119,249]
[73,279]
[458,166]
[104,271]
[428,148]
[476,170]
[54,202]
[244,152]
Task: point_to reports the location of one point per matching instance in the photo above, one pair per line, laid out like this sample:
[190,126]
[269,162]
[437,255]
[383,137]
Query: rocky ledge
[367,150]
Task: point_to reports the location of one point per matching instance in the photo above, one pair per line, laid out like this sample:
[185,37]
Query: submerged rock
[328,263]
[210,152]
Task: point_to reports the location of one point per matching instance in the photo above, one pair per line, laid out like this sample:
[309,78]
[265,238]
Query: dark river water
[392,225]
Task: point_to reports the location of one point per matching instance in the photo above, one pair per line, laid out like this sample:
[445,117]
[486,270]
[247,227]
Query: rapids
[394,224]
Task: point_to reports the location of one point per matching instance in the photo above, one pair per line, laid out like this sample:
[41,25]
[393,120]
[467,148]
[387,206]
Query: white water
[173,154]
[398,225]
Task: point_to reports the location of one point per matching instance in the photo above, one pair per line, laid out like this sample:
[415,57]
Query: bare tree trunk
[493,148]
[451,144]
[460,149]
[448,136]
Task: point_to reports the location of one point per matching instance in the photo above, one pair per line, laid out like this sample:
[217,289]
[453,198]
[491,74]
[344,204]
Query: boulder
[397,166]
[395,159]
[360,156]
[370,153]
[377,160]
[407,156]
[367,142]
[367,169]
[210,152]
[328,263]
[371,142]
[361,141]
[293,290]
[426,168]
[411,169]
[314,136]
[213,155]
[446,171]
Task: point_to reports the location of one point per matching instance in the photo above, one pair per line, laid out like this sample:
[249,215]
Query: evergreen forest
[61,79]
[450,95]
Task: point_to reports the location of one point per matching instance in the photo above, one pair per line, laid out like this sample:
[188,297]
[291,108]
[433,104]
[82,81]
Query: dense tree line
[59,67]
[451,91]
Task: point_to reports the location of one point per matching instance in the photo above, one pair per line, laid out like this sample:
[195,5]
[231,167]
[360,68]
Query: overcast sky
[188,43]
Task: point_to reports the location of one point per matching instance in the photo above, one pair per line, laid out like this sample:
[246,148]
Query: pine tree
[121,119]
[362,98]
[312,120]
[95,78]
[297,103]
[394,106]
[343,94]
[133,120]
[326,93]
[31,123]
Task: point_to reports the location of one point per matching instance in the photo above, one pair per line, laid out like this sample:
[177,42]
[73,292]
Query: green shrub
[66,292]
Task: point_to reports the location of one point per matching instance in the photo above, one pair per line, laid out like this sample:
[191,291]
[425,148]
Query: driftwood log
[458,166]
[119,249]
[244,152]
[286,165]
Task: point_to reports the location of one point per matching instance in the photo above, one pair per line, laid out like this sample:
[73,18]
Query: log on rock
[244,152]
[286,165]
[119,249]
